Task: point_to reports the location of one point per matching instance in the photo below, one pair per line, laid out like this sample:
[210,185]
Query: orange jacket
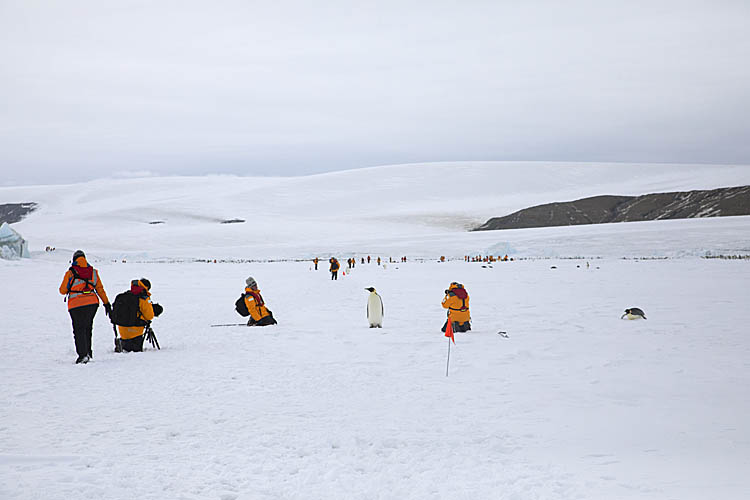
[335,265]
[255,304]
[457,303]
[82,292]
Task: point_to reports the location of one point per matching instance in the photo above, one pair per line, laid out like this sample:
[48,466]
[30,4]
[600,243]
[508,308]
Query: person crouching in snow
[457,302]
[83,288]
[136,305]
[260,315]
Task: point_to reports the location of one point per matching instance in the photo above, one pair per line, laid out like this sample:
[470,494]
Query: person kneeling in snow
[132,312]
[256,308]
[457,302]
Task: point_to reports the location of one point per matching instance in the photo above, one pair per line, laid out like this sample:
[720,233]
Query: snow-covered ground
[575,404]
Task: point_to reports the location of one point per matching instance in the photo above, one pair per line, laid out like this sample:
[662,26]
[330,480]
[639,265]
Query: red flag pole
[449,334]
[449,357]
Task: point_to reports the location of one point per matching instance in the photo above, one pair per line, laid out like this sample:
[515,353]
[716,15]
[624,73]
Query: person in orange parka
[132,336]
[457,302]
[83,289]
[335,266]
[260,315]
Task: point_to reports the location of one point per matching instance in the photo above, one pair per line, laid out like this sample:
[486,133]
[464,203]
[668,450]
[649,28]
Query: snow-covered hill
[423,209]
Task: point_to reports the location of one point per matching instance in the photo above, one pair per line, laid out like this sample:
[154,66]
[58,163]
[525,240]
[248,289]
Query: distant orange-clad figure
[335,266]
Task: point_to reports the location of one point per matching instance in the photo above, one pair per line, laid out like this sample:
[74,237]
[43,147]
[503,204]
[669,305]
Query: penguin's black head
[627,311]
[370,289]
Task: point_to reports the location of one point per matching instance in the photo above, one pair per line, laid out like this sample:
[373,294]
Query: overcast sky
[99,88]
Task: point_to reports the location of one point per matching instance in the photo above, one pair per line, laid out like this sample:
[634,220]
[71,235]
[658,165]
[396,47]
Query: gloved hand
[108,309]
[158,309]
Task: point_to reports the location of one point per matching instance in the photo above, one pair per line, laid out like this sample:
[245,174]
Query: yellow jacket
[146,310]
[255,304]
[457,303]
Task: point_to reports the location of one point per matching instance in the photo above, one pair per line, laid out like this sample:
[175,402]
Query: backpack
[241,307]
[126,310]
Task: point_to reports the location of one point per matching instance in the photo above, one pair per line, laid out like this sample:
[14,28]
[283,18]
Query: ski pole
[449,357]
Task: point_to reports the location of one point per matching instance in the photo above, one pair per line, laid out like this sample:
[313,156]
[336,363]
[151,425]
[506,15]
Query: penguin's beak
[623,315]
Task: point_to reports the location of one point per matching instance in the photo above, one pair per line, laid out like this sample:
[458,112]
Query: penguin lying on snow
[634,313]
[374,309]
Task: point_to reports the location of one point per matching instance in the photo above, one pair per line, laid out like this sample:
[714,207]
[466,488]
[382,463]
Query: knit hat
[146,283]
[251,283]
[78,253]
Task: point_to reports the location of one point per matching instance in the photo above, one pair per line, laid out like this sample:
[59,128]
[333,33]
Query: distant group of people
[335,265]
[487,258]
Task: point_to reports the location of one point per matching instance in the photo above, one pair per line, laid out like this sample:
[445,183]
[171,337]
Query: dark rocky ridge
[720,202]
[14,212]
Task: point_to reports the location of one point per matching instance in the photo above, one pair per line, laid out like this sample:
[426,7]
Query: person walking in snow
[260,315]
[335,266]
[315,261]
[457,302]
[135,302]
[83,288]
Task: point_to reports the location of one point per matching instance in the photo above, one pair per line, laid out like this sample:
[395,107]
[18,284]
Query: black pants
[457,327]
[264,321]
[83,324]
[334,275]
[133,345]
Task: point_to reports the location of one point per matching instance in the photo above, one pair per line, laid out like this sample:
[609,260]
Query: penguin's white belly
[375,310]
[633,316]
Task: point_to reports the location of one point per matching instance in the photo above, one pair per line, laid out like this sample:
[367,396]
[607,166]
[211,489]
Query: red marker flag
[449,330]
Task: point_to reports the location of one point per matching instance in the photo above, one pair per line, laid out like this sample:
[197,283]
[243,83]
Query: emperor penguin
[633,313]
[374,309]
